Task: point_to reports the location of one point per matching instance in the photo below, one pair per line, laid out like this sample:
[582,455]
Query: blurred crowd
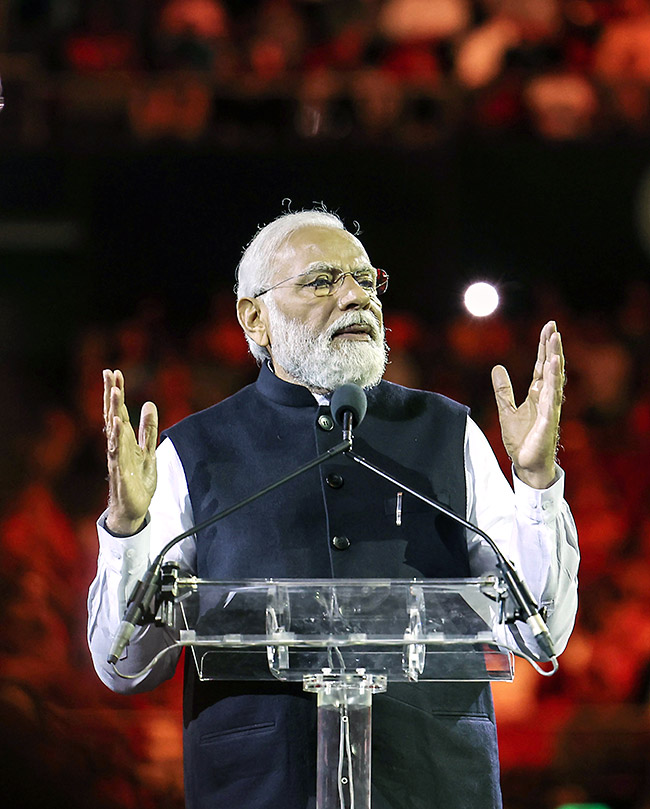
[581,735]
[415,71]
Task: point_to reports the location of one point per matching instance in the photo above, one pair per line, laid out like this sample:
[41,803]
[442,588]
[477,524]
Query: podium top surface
[408,629]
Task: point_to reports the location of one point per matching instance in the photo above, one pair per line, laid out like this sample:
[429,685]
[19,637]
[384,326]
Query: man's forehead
[312,245]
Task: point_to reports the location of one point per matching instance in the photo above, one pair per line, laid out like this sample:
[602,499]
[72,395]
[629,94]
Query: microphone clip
[155,600]
[348,419]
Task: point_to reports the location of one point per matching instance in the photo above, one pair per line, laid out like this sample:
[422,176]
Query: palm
[530,431]
[138,473]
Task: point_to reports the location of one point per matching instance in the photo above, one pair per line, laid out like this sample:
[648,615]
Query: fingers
[545,338]
[114,403]
[552,343]
[148,430]
[549,365]
[116,417]
[120,440]
[109,381]
[547,392]
[118,403]
[555,353]
[548,329]
[121,454]
[553,366]
[503,388]
[554,378]
[548,371]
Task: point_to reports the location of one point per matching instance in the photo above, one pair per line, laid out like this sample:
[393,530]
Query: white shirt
[534,528]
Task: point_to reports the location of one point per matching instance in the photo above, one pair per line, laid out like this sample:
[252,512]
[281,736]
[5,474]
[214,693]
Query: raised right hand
[131,461]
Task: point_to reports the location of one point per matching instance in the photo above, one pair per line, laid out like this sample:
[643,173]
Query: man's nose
[352,295]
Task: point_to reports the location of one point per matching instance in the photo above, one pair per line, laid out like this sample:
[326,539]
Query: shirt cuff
[124,555]
[540,505]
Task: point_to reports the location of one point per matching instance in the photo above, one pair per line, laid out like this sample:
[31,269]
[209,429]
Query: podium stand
[345,640]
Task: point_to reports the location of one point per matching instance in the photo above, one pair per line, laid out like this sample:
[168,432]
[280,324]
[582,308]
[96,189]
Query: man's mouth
[356,332]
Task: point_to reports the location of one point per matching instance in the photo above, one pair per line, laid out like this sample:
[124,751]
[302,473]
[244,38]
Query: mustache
[357,318]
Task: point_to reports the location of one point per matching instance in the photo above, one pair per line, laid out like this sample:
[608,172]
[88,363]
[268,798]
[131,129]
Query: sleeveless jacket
[252,744]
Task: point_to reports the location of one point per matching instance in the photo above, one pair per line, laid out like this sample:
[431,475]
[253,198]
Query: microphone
[138,607]
[348,406]
[529,611]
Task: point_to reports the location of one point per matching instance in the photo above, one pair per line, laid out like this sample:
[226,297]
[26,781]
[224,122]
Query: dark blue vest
[251,745]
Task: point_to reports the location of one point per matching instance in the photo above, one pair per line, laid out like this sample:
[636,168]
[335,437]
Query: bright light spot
[481,299]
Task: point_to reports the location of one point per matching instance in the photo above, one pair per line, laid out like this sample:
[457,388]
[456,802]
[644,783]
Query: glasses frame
[382,283]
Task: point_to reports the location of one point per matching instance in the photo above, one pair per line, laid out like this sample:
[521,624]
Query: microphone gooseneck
[523,598]
[348,406]
[142,604]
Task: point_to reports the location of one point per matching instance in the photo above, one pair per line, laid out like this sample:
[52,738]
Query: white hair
[257,266]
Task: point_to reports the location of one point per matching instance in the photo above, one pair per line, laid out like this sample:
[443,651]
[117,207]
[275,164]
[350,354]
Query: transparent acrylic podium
[345,640]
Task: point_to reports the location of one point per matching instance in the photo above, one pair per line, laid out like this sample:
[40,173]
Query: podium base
[343,766]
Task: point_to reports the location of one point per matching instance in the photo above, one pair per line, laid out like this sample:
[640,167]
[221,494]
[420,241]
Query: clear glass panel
[403,630]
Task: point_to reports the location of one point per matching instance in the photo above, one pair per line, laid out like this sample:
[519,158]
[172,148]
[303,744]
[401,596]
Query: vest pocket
[457,715]
[228,733]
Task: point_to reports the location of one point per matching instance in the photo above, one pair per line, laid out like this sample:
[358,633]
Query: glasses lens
[374,284]
[322,286]
[382,282]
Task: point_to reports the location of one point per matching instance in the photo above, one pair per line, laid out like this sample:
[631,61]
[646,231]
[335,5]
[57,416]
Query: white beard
[321,363]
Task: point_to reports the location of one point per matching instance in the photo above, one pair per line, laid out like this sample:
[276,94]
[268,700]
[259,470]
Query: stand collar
[285,393]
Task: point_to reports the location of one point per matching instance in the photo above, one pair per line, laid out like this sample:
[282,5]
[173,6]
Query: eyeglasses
[326,282]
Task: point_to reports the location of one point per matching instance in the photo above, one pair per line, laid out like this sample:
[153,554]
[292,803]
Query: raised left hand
[530,431]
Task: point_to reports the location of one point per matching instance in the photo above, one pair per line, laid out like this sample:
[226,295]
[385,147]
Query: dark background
[171,224]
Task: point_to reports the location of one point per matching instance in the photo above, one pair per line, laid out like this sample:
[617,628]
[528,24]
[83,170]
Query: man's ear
[252,318]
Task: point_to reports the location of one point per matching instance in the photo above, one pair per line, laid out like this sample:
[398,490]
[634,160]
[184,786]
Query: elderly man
[308,302]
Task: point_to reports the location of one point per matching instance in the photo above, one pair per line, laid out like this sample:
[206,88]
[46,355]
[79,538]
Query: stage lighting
[481,299]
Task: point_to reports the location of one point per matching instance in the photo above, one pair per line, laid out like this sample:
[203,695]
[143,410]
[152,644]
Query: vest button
[334,480]
[325,422]
[341,543]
